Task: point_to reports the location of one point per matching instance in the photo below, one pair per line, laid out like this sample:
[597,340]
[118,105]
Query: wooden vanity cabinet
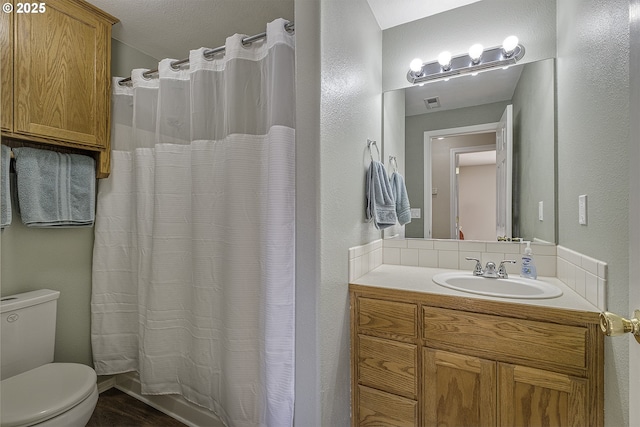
[56,76]
[431,360]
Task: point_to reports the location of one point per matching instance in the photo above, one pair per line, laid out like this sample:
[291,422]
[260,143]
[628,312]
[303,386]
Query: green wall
[125,58]
[593,159]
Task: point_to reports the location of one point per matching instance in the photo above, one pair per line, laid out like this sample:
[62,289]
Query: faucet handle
[502,270]
[477,271]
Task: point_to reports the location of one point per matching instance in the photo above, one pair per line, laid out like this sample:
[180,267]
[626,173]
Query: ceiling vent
[432,103]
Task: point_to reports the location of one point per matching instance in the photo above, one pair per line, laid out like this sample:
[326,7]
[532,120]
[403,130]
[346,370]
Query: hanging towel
[55,189]
[381,206]
[5,187]
[403,209]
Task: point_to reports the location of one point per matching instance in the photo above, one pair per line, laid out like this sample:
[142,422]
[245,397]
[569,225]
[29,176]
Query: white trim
[428,136]
[634,207]
[453,197]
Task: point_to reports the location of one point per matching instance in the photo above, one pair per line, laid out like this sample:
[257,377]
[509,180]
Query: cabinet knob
[613,325]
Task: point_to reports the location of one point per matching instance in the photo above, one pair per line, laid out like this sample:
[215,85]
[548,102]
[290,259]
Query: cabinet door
[388,365]
[458,390]
[534,397]
[61,74]
[6,70]
[377,408]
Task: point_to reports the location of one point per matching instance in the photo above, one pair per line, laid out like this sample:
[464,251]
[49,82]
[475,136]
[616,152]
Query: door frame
[428,137]
[634,204]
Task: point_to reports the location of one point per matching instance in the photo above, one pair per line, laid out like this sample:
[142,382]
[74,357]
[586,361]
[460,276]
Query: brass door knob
[613,325]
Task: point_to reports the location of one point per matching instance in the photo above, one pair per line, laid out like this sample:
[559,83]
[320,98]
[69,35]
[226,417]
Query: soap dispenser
[528,265]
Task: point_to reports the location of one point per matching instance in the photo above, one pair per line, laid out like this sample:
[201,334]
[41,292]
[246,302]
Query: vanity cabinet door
[388,365]
[459,390]
[534,397]
[378,409]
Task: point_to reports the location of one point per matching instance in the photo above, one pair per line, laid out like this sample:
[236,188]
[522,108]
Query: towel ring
[394,163]
[371,142]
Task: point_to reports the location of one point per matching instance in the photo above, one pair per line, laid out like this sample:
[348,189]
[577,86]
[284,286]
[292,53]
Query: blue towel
[381,206]
[5,187]
[55,189]
[403,209]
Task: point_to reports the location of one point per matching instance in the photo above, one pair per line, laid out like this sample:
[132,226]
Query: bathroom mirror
[456,176]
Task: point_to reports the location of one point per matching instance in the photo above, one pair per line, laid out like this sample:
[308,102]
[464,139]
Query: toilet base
[78,416]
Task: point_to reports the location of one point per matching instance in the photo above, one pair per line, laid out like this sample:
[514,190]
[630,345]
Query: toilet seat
[45,392]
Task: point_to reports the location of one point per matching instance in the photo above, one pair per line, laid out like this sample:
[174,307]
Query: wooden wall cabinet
[434,360]
[56,86]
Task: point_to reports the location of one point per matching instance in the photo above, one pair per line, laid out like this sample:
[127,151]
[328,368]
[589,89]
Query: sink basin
[513,287]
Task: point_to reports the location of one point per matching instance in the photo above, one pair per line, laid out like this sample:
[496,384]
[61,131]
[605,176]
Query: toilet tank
[27,331]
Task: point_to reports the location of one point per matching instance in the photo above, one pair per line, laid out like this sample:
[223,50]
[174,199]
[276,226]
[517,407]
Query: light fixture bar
[463,64]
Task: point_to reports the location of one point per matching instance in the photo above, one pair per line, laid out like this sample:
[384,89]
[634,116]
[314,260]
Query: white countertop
[419,279]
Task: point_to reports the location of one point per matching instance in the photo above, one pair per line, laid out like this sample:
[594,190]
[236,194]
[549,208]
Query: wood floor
[118,409]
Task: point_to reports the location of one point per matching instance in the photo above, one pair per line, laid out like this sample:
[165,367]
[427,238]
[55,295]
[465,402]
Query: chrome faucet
[502,270]
[477,271]
[490,269]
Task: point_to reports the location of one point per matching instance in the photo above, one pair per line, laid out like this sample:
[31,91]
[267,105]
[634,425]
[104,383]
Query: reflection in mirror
[474,105]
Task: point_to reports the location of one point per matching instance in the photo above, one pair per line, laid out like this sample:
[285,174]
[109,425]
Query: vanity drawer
[378,408]
[388,365]
[389,319]
[505,339]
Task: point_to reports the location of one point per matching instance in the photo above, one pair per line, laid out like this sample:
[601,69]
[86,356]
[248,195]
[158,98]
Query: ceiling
[390,13]
[170,28]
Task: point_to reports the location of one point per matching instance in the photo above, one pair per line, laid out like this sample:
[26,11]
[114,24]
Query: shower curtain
[193,266]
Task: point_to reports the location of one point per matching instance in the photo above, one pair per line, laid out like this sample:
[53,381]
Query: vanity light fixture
[477,59]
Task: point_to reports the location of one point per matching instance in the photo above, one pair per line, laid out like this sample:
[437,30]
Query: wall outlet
[582,209]
[416,212]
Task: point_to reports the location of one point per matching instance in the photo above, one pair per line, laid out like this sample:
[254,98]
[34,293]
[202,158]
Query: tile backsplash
[585,275]
[363,259]
[453,253]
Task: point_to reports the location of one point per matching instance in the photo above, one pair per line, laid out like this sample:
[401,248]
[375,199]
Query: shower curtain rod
[289,26]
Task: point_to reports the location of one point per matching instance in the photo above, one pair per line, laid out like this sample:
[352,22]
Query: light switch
[540,211]
[415,212]
[582,209]
[434,191]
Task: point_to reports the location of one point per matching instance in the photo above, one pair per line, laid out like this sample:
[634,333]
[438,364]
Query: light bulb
[475,52]
[416,65]
[445,60]
[509,44]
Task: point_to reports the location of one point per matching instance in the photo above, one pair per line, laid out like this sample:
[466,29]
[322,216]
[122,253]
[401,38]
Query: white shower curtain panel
[193,266]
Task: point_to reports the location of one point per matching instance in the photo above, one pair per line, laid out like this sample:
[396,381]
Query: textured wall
[488,22]
[534,148]
[593,151]
[124,58]
[307,378]
[351,112]
[393,141]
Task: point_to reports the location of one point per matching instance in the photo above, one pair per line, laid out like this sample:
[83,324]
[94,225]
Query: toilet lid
[44,392]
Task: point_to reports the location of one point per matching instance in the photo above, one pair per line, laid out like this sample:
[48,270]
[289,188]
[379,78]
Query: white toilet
[34,391]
